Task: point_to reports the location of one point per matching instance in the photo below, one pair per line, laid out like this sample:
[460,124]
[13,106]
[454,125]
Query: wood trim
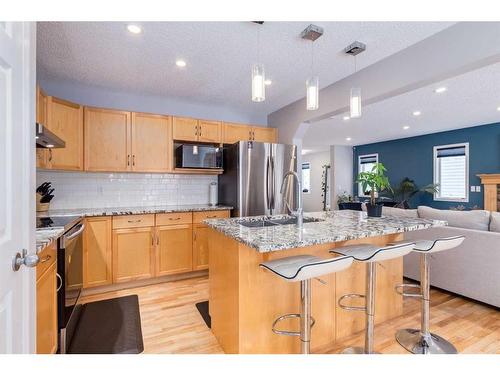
[491,198]
[490,178]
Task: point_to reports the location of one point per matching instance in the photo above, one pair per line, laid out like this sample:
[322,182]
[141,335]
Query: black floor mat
[203,310]
[111,326]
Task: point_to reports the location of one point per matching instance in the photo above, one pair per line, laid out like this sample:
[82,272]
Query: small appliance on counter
[213,194]
[44,196]
[198,156]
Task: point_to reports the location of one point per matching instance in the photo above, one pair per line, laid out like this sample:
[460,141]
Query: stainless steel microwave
[198,156]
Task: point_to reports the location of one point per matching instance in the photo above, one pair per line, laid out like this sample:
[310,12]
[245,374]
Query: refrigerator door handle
[273,184]
[268,198]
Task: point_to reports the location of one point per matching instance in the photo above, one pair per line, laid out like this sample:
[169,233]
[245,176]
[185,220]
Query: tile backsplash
[94,190]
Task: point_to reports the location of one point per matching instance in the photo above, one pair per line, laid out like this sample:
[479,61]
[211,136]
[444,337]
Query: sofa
[472,269]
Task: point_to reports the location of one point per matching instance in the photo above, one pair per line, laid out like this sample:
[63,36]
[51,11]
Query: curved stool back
[303,268]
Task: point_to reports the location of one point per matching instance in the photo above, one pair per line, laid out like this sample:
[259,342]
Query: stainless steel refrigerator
[253,173]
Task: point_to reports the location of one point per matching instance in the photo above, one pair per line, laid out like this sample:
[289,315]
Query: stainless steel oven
[70,282]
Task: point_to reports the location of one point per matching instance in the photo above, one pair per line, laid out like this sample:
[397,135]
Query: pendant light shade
[355,102]
[258,83]
[312,93]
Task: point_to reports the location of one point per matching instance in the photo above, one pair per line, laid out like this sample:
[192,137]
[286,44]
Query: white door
[17,185]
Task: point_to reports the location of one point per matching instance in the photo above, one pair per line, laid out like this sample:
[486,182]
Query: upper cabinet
[42,154]
[239,132]
[107,140]
[190,129]
[151,143]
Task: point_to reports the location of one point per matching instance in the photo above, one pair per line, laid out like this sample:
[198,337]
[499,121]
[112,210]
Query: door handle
[128,160]
[50,154]
[45,259]
[61,283]
[268,198]
[273,183]
[23,258]
[133,160]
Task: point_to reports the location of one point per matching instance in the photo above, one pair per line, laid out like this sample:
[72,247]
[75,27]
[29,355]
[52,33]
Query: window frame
[302,176]
[435,172]
[361,193]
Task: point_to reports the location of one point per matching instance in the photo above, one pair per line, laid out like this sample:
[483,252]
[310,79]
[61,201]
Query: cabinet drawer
[174,218]
[198,217]
[133,221]
[47,258]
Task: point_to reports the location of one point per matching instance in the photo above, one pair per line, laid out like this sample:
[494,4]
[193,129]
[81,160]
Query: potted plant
[407,189]
[376,181]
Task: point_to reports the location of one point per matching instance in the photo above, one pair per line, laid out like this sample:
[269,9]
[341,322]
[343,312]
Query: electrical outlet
[478,189]
[473,189]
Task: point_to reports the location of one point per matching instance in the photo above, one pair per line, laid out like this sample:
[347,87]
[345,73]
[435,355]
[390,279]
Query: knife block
[41,207]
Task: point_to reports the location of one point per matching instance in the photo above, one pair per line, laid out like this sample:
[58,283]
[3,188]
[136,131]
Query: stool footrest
[288,333]
[352,295]
[400,290]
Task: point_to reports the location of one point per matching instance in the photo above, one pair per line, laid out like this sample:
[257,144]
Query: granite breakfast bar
[244,299]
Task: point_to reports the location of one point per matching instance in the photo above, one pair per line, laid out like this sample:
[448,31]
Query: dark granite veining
[336,226]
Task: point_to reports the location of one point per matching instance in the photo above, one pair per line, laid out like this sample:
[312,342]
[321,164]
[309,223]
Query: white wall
[102,97]
[312,202]
[96,190]
[342,172]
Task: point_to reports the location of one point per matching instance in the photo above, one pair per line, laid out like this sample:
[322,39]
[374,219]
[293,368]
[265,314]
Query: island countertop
[334,226]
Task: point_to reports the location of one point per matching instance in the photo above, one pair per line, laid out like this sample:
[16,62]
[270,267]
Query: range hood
[46,139]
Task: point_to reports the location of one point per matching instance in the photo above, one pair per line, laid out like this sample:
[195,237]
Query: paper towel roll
[213,196]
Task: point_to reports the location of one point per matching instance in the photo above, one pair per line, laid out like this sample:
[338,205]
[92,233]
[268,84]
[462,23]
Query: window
[451,172]
[365,164]
[306,178]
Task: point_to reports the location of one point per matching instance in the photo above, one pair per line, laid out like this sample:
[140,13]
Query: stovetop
[56,222]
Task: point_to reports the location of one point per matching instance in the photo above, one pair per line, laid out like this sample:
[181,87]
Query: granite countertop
[337,226]
[46,236]
[115,211]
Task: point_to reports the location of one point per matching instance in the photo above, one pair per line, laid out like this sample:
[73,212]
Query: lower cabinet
[174,253]
[200,247]
[97,253]
[46,302]
[133,254]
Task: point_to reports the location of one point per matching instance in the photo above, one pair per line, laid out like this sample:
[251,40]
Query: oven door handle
[75,234]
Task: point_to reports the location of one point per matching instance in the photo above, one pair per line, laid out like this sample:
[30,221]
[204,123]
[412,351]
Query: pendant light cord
[312,58]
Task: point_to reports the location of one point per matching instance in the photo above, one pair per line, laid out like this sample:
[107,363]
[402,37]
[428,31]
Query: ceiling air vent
[355,48]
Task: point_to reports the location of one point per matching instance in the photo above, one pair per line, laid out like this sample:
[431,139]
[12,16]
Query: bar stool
[370,254]
[422,341]
[303,268]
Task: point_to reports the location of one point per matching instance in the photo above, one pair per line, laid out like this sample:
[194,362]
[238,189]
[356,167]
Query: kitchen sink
[268,222]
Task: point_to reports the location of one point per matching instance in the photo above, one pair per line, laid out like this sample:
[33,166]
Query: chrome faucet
[298,212]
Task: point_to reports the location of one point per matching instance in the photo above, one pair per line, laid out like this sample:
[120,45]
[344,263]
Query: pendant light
[258,74]
[355,94]
[312,32]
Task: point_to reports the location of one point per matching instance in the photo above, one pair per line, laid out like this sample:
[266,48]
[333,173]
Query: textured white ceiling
[471,99]
[219,56]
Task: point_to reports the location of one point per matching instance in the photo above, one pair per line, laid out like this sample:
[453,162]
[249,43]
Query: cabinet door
[42,154]
[65,119]
[200,247]
[133,254]
[107,140]
[46,312]
[151,143]
[97,252]
[210,131]
[236,132]
[185,129]
[174,249]
[261,134]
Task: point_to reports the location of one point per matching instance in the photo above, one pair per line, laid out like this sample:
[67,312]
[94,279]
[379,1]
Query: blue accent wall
[413,158]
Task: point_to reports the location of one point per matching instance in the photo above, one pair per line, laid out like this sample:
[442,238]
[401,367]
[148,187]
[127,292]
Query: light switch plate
[472,189]
[478,189]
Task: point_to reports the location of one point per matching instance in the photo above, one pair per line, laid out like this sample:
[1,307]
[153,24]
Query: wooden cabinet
[190,129]
[46,302]
[42,154]
[174,252]
[133,254]
[151,143]
[240,132]
[97,252]
[107,140]
[261,134]
[65,119]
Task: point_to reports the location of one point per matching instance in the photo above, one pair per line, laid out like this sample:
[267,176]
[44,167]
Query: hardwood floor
[171,323]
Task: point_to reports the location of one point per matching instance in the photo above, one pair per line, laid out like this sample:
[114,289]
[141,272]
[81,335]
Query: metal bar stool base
[412,340]
[356,350]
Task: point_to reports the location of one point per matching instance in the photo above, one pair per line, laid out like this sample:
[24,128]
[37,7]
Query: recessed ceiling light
[180,63]
[406,127]
[348,139]
[417,113]
[134,29]
[49,145]
[440,90]
[345,118]
[268,82]
[498,109]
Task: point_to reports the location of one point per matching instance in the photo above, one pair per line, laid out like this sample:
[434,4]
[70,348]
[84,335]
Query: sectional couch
[472,269]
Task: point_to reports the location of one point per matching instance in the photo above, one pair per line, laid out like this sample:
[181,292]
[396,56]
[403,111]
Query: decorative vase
[374,210]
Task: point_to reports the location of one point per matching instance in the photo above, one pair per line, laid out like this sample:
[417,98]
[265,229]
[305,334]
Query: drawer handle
[134,221]
[171,218]
[211,217]
[45,259]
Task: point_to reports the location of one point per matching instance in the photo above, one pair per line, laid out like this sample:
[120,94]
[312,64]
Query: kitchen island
[244,300]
